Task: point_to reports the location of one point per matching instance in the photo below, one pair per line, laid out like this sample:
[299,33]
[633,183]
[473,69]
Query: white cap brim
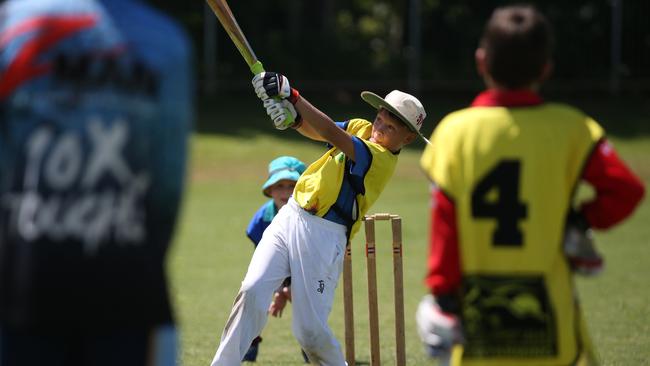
[378,102]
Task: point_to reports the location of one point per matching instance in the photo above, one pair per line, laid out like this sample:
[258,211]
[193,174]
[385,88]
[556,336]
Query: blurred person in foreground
[504,175]
[95,108]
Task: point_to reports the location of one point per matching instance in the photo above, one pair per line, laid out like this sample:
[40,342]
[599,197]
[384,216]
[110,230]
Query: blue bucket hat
[284,167]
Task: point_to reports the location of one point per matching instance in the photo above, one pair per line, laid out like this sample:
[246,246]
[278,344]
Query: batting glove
[282,113]
[273,85]
[581,253]
[439,331]
[580,248]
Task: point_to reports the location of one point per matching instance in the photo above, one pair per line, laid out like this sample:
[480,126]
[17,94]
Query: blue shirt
[96,111]
[344,208]
[260,221]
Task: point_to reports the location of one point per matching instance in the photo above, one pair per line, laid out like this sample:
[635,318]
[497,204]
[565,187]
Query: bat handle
[257,68]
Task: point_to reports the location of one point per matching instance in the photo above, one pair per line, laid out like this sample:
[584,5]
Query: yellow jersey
[511,173]
[319,186]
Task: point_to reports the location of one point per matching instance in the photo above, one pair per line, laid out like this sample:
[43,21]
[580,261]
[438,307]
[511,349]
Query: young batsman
[505,171]
[284,172]
[307,239]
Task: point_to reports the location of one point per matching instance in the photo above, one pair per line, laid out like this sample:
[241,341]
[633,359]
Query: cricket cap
[284,167]
[405,106]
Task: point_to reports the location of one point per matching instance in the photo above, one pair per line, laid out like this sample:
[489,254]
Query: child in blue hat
[283,175]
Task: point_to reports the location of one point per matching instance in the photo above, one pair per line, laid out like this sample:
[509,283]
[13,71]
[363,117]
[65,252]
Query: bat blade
[229,23]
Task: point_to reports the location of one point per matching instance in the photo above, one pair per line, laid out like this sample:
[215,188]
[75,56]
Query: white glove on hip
[580,250]
[438,330]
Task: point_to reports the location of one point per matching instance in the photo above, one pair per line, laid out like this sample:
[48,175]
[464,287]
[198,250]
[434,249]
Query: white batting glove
[271,84]
[439,331]
[282,113]
[579,246]
[580,250]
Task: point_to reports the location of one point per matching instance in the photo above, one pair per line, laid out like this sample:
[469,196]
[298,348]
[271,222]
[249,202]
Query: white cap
[405,106]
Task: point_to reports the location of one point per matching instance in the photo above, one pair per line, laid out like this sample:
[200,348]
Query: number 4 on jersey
[507,210]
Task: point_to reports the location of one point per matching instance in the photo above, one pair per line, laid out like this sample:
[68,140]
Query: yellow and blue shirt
[341,190]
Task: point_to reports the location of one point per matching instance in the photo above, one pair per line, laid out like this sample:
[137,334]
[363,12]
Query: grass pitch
[211,252]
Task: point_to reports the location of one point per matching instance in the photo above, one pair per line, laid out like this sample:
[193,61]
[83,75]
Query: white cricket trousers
[308,248]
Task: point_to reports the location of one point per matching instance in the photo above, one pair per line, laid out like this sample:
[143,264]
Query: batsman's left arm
[318,124]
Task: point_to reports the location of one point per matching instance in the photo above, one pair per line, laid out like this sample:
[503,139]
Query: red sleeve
[443,272]
[618,190]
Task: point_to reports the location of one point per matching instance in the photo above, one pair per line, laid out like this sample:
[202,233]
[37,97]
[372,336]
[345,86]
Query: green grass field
[211,253]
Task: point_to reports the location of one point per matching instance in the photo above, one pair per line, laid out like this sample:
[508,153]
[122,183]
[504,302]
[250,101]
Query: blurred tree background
[424,45]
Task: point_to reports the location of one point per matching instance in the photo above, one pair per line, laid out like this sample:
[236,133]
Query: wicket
[398,285]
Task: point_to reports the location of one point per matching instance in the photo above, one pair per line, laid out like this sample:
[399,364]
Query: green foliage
[363,39]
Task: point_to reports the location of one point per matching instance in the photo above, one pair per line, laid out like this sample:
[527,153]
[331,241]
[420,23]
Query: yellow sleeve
[440,159]
[360,128]
[595,130]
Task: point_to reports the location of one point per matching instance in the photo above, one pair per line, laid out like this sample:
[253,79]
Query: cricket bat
[229,23]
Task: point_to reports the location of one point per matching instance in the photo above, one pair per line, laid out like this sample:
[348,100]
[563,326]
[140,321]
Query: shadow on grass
[241,114]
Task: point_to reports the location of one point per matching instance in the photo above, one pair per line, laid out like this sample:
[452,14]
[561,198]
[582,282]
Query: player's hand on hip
[274,85]
[438,330]
[282,113]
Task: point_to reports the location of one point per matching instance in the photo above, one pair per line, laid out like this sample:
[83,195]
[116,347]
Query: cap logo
[418,120]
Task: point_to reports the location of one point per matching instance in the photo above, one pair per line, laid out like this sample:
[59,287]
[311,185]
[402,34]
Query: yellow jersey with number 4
[511,173]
